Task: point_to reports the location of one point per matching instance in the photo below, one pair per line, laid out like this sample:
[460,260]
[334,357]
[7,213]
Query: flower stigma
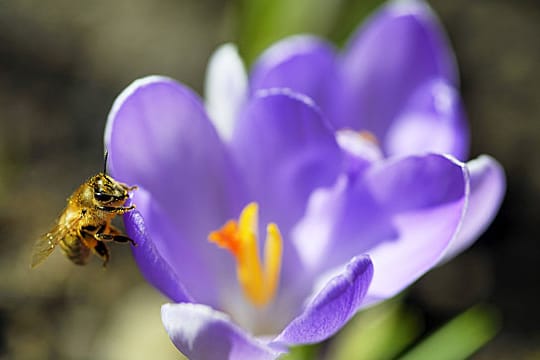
[240,238]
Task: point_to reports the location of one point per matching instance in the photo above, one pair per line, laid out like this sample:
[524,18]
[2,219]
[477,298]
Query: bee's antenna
[105,161]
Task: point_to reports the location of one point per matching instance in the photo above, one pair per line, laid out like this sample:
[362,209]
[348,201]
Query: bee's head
[107,191]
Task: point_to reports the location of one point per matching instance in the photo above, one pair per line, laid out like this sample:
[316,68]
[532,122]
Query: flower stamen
[368,136]
[240,238]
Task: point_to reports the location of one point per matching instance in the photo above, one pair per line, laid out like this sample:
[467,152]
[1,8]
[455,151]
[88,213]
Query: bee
[85,224]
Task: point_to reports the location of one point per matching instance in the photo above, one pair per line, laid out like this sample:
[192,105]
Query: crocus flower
[324,184]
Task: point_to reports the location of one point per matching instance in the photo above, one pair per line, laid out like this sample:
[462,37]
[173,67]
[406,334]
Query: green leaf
[262,22]
[459,338]
[381,332]
[306,352]
[350,16]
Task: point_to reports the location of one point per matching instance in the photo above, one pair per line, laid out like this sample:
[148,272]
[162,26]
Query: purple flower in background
[327,183]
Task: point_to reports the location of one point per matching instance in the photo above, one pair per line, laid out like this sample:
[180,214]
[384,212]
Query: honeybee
[85,224]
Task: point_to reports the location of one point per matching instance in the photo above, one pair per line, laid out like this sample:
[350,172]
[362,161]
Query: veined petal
[159,138]
[432,120]
[332,306]
[397,50]
[305,64]
[488,185]
[200,332]
[225,88]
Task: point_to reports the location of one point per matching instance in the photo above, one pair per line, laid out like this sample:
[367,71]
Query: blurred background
[62,63]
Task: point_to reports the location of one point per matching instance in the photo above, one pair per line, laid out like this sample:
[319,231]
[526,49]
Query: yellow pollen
[240,238]
[369,136]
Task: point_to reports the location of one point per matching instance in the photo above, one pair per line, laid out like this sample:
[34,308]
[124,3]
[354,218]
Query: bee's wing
[45,245]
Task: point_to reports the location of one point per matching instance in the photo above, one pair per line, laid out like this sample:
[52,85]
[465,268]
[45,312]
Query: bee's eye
[101,197]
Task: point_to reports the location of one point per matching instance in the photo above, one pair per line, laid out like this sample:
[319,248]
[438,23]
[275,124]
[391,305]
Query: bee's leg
[114,230]
[114,237]
[102,251]
[116,210]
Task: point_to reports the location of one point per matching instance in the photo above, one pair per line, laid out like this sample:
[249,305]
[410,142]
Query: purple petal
[488,185]
[305,64]
[427,196]
[399,49]
[331,307]
[200,332]
[340,222]
[152,264]
[160,138]
[285,150]
[432,121]
[402,212]
[171,262]
[417,182]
